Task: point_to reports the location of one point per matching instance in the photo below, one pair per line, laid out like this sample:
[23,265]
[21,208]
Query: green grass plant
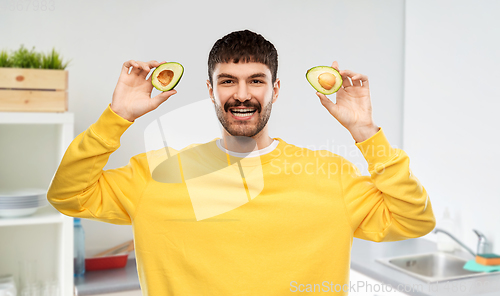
[24,58]
[5,59]
[53,60]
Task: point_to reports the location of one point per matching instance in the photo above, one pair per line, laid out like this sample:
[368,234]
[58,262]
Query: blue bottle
[79,248]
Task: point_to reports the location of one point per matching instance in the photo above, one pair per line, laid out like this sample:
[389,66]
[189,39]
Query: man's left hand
[353,107]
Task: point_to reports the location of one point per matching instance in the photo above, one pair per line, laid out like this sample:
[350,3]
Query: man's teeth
[243,112]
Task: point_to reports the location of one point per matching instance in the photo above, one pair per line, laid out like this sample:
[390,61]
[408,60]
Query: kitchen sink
[432,267]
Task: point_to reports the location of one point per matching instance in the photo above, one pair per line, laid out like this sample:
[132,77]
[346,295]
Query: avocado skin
[333,71]
[182,73]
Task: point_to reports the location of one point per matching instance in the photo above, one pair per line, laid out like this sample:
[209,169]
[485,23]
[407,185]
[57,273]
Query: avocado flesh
[167,75]
[313,76]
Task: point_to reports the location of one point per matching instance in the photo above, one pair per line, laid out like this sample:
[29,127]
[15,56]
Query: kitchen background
[432,67]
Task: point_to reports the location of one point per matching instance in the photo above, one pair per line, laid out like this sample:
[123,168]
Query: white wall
[451,110]
[364,36]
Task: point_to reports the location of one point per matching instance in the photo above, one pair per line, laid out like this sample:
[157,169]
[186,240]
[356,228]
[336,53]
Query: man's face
[238,87]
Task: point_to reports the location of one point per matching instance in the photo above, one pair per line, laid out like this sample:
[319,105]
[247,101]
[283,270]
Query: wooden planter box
[33,90]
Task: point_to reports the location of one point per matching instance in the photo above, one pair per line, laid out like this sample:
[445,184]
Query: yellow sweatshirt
[207,223]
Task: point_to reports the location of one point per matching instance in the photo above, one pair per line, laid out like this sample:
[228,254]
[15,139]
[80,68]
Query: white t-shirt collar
[256,153]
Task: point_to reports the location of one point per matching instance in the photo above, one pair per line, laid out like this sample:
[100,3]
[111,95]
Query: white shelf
[44,215]
[36,148]
[36,118]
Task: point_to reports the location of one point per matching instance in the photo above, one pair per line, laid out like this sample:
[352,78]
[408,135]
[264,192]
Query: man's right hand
[132,95]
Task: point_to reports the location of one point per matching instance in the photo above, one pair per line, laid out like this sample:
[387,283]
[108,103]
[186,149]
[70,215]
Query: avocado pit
[165,77]
[327,80]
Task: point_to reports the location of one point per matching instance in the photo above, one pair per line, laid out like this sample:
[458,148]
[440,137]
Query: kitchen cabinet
[362,285]
[31,147]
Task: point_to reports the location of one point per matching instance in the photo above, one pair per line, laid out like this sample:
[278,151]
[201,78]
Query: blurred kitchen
[433,70]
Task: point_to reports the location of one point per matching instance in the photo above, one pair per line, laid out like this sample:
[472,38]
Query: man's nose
[242,93]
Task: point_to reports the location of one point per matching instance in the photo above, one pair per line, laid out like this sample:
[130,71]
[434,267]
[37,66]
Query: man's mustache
[240,104]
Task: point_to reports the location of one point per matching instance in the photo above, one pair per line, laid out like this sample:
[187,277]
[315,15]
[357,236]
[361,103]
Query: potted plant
[33,81]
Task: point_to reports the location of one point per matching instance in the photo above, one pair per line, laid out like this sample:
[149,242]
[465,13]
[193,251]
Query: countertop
[363,257]
[108,281]
[364,253]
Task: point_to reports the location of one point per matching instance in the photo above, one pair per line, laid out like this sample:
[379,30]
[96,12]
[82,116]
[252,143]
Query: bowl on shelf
[21,202]
[106,262]
[115,257]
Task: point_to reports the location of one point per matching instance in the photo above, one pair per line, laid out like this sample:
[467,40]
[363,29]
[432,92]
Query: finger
[356,82]
[153,64]
[335,65]
[143,69]
[354,77]
[159,99]
[135,67]
[361,79]
[127,65]
[346,82]
[328,104]
[357,79]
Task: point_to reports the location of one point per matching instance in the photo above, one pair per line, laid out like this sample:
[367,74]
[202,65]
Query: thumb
[335,65]
[328,104]
[160,98]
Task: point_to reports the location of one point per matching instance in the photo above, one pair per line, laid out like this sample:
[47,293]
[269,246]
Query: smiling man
[243,85]
[244,96]
[244,214]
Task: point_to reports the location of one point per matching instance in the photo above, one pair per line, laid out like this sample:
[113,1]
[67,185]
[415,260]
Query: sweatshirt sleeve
[390,204]
[81,188]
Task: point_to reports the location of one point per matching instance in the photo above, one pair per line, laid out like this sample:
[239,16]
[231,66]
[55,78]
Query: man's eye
[226,82]
[257,81]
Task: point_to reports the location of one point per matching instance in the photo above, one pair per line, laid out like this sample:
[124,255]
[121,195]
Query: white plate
[3,200]
[27,206]
[21,200]
[25,192]
[12,213]
[23,204]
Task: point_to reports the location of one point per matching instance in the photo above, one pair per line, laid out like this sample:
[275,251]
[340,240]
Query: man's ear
[210,91]
[276,89]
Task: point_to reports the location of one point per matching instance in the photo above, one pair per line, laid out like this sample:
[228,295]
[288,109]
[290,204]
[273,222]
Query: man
[246,214]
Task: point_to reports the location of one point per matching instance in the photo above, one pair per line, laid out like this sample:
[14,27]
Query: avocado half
[166,76]
[324,79]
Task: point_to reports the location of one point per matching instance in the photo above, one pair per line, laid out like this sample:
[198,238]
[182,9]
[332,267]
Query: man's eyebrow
[256,75]
[225,75]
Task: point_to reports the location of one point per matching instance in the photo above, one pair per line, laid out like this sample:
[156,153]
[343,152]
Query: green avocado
[324,79]
[166,76]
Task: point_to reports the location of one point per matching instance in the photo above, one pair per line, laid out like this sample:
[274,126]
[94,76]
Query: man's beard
[243,128]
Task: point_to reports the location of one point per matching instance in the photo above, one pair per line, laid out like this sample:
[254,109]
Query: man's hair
[245,46]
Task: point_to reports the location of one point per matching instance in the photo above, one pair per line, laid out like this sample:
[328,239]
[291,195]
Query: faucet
[483,246]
